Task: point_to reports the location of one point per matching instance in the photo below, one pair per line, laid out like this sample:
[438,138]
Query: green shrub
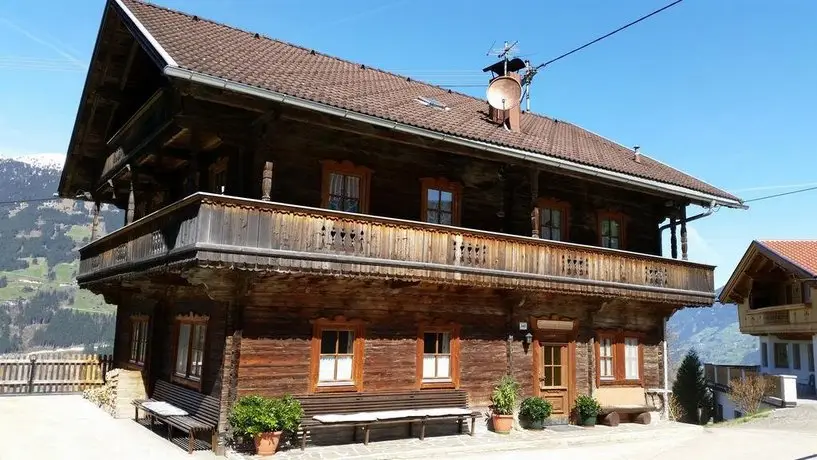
[253,415]
[587,406]
[535,408]
[504,396]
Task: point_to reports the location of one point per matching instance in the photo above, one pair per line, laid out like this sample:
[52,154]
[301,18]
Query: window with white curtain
[336,357]
[437,356]
[344,192]
[190,349]
[631,358]
[606,358]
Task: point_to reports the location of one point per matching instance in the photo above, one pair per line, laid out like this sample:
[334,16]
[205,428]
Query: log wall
[275,346]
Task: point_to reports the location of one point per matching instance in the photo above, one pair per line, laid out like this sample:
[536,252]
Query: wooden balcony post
[534,197]
[673,238]
[266,181]
[684,255]
[95,222]
[131,201]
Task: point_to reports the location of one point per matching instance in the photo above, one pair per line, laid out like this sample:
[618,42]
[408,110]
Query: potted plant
[535,410]
[265,420]
[503,402]
[587,409]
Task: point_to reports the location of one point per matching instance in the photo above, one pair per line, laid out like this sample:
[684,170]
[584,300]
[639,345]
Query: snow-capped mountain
[51,161]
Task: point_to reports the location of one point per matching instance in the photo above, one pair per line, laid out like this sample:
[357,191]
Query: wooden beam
[673,237]
[534,198]
[684,252]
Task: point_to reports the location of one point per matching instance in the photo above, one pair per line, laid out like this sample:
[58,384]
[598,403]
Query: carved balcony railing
[228,232]
[779,319]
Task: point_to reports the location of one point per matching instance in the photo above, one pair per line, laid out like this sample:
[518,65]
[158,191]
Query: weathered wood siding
[275,346]
[160,354]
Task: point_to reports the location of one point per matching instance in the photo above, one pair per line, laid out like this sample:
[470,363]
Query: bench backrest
[621,396]
[347,403]
[203,408]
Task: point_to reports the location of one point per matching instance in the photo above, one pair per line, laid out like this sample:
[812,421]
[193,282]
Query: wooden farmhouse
[297,223]
[775,288]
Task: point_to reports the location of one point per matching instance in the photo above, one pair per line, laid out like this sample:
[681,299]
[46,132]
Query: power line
[807,189]
[609,34]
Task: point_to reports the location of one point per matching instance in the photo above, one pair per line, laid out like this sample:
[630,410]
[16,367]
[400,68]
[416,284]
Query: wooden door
[554,376]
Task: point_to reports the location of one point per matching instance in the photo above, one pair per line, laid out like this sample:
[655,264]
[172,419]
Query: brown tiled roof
[802,253]
[225,52]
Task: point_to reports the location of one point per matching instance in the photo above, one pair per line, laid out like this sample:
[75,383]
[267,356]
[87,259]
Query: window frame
[444,185]
[219,166]
[618,339]
[346,168]
[622,228]
[764,354]
[187,379]
[564,220]
[454,361]
[337,324]
[142,341]
[781,346]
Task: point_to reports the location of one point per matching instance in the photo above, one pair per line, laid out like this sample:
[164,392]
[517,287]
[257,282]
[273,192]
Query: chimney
[636,155]
[510,117]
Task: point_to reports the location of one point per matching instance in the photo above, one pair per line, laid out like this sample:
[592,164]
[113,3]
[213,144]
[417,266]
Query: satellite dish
[504,93]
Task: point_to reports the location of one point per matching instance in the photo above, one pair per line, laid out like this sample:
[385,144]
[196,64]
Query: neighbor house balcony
[220,232]
[779,319]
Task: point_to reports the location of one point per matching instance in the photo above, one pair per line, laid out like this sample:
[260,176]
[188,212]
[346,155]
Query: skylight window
[433,103]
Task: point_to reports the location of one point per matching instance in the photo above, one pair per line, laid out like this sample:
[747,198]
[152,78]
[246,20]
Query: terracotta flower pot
[267,443]
[502,423]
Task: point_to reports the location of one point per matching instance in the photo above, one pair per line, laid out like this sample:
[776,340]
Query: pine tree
[691,391]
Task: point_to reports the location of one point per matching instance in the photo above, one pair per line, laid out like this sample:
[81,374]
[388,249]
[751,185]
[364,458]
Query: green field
[78,233]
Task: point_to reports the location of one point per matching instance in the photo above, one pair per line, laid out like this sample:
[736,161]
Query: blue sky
[723,90]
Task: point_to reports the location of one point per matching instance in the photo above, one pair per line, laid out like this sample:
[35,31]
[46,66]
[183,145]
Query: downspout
[665,409]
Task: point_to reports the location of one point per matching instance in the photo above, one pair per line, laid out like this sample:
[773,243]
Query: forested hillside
[40,304]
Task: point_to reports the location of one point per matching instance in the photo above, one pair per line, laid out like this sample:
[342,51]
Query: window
[611,230]
[606,358]
[337,355]
[437,356]
[138,339]
[795,355]
[764,354]
[554,358]
[191,333]
[620,358]
[631,358]
[553,220]
[810,356]
[806,292]
[345,186]
[218,175]
[781,355]
[441,201]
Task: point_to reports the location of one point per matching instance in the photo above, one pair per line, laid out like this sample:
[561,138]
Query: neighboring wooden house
[775,288]
[299,223]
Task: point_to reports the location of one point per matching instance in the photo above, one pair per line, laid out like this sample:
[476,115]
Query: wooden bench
[364,410]
[202,411]
[630,402]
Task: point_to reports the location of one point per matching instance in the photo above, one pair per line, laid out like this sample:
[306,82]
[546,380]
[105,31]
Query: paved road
[715,443]
[70,428]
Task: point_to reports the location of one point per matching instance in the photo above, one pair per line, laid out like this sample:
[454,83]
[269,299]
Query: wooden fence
[53,373]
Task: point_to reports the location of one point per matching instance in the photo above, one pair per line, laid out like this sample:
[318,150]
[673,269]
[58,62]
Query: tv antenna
[504,53]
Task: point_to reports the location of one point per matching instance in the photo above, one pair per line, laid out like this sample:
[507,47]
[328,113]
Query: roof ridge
[788,240]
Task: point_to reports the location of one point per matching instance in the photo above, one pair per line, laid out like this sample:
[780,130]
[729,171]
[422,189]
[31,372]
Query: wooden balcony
[792,318]
[222,232]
